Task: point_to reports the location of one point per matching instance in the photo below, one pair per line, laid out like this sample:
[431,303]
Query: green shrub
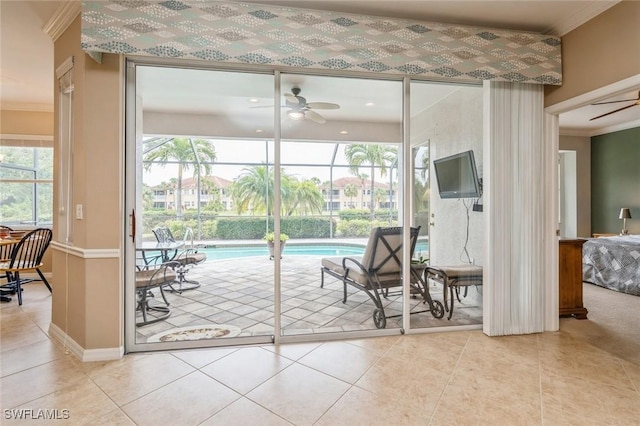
[379,214]
[254,227]
[240,228]
[383,214]
[307,226]
[354,214]
[360,228]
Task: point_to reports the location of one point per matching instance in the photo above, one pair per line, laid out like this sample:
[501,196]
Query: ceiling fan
[300,109]
[636,102]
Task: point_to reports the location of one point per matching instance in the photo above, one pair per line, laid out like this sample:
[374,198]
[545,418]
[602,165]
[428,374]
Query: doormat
[196,332]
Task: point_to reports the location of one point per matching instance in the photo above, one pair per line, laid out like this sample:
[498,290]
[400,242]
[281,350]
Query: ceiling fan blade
[293,100]
[613,112]
[322,105]
[314,116]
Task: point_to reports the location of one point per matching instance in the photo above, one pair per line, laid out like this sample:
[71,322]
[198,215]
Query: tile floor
[428,379]
[239,292]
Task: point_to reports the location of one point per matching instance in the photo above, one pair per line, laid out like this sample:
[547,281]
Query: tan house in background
[212,188]
[338,194]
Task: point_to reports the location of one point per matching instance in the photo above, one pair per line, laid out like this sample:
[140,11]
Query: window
[26,176]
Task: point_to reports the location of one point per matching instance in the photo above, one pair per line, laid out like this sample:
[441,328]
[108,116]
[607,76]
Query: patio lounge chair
[186,258]
[379,269]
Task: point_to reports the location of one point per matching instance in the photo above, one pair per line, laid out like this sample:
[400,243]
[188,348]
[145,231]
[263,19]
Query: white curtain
[519,212]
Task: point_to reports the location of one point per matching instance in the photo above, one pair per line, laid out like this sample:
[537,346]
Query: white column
[518,179]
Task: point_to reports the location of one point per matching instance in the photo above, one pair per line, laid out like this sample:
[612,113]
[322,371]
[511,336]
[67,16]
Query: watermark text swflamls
[39,414]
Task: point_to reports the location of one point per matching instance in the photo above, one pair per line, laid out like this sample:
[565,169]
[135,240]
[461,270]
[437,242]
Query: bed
[613,263]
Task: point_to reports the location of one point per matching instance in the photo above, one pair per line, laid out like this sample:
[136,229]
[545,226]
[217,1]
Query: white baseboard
[84,355]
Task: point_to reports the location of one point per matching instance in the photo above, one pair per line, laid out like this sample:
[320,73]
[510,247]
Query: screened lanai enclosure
[232,158]
[329,190]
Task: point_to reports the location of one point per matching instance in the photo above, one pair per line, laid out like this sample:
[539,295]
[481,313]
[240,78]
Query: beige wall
[603,51]
[26,123]
[88,305]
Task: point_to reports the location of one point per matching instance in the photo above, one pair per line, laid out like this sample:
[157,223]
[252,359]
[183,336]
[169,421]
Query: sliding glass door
[246,191]
[203,145]
[340,153]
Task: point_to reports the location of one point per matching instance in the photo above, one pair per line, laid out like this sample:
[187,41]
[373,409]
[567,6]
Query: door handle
[132,217]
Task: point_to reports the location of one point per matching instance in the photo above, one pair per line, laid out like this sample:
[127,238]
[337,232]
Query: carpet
[612,323]
[196,332]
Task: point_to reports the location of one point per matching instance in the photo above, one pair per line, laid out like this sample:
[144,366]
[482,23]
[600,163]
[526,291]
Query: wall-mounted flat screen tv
[457,176]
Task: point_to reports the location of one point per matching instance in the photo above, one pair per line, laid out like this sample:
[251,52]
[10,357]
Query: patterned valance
[248,33]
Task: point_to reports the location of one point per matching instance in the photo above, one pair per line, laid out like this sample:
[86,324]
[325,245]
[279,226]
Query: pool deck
[240,292]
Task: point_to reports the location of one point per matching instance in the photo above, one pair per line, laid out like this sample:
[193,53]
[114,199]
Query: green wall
[615,180]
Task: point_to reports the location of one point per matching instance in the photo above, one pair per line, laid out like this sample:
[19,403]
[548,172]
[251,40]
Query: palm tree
[375,155]
[421,195]
[196,153]
[304,197]
[209,187]
[350,191]
[380,195]
[362,177]
[254,188]
[147,197]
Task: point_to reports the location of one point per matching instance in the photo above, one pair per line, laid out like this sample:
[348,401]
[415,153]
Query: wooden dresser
[570,278]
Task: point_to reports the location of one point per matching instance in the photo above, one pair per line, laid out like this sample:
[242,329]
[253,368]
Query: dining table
[6,245]
[152,252]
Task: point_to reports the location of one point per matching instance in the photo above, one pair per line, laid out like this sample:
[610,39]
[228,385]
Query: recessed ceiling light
[254,100]
[258,130]
[369,104]
[344,132]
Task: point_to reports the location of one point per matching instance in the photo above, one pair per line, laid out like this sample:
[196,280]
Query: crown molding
[616,128]
[589,133]
[62,18]
[589,12]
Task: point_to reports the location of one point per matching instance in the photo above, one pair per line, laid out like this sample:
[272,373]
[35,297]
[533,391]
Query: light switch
[78,211]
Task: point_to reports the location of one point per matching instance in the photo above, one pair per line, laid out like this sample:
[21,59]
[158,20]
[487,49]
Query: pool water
[320,249]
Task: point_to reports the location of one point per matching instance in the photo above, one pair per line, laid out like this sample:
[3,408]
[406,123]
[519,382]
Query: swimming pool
[317,249]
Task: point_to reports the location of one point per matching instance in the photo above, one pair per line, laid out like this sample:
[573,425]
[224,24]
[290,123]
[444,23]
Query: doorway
[224,160]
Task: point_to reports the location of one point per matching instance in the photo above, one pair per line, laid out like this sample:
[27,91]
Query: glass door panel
[204,140]
[340,152]
[446,120]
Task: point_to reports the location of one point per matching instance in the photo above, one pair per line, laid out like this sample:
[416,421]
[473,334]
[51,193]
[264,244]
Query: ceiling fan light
[296,115]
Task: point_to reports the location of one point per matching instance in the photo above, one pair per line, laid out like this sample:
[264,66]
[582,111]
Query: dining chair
[26,255]
[187,257]
[155,277]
